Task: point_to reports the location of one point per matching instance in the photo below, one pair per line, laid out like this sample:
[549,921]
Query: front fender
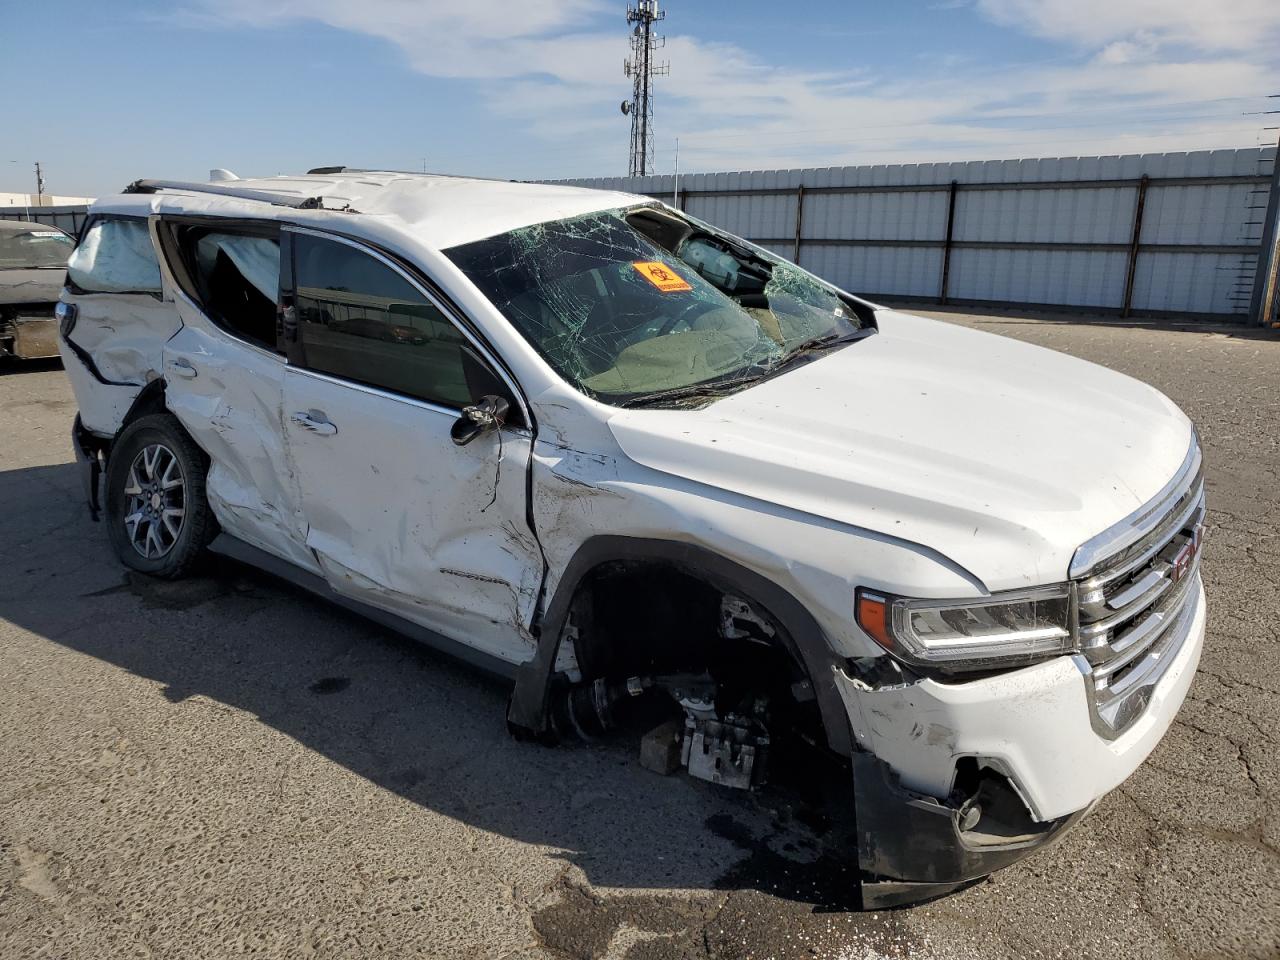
[529,711]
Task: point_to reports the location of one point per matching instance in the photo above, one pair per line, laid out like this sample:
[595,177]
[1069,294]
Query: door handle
[183,368]
[314,421]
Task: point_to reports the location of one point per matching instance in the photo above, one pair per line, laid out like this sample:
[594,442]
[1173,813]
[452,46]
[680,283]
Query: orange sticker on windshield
[662,276]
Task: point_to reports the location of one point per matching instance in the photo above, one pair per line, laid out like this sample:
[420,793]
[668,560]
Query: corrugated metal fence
[1150,233]
[68,218]
[1165,233]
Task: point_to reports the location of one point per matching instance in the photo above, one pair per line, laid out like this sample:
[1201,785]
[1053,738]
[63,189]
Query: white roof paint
[438,211]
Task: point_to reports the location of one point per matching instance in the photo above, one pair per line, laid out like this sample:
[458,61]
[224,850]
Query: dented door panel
[227,395]
[403,519]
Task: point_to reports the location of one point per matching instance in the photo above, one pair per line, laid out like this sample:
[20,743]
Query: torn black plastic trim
[93,450]
[88,448]
[529,711]
[913,848]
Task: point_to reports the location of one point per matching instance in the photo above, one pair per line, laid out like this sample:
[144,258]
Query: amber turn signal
[873,613]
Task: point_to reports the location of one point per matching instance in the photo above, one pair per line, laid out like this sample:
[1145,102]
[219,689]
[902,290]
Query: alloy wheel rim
[155,501]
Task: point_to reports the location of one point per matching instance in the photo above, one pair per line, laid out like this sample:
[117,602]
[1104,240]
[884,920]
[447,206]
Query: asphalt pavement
[226,767]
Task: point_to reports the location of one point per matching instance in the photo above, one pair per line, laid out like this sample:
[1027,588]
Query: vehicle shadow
[399,715]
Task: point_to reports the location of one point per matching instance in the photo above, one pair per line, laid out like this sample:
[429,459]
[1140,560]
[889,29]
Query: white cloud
[555,68]
[1214,25]
[1142,46]
[476,39]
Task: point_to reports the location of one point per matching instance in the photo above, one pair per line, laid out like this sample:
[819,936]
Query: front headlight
[1003,630]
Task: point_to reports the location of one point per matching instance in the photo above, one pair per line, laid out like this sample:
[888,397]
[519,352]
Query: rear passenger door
[399,516]
[224,375]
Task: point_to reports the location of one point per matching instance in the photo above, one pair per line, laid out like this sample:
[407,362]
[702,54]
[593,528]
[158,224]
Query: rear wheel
[158,518]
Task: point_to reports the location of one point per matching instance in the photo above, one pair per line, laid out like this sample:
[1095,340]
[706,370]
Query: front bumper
[1031,729]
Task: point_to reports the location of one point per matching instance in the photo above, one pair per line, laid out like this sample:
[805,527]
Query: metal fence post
[1139,206]
[795,256]
[1262,309]
[946,245]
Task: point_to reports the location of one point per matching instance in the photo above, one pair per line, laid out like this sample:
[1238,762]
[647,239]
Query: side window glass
[237,280]
[115,256]
[361,320]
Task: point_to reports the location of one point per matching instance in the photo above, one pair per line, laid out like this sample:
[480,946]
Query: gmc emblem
[1182,561]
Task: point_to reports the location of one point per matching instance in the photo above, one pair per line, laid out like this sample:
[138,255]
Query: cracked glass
[642,303]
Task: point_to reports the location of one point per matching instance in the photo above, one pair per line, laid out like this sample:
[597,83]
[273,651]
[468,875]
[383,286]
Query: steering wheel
[671,323]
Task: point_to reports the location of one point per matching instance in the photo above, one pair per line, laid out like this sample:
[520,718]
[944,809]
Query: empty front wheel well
[666,628]
[641,616]
[679,568]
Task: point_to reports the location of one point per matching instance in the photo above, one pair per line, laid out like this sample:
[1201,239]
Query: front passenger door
[398,516]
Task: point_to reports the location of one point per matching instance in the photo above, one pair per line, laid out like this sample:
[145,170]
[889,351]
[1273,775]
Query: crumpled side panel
[103,406]
[124,333]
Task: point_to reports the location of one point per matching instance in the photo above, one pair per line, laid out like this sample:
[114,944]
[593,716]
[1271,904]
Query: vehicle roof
[26,226]
[440,211]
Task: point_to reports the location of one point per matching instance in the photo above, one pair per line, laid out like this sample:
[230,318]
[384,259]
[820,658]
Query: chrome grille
[1135,597]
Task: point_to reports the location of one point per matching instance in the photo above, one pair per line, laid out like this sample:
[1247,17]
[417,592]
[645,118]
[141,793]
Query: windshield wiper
[716,388]
[817,344]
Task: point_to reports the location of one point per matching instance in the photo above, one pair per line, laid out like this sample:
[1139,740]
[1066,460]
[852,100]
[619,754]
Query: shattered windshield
[38,247]
[629,305]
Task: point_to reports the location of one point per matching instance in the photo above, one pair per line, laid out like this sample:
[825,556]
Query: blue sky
[103,93]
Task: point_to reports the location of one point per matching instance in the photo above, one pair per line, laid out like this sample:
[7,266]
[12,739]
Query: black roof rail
[322,171]
[226,190]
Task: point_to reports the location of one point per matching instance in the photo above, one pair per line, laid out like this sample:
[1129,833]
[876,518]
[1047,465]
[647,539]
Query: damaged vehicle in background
[33,263]
[661,480]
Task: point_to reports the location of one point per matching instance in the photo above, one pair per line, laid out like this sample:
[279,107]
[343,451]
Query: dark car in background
[33,264]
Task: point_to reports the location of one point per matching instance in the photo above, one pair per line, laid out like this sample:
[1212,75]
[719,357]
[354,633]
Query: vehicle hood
[1000,455]
[36,285]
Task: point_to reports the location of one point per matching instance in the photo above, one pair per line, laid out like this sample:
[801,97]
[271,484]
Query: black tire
[176,523]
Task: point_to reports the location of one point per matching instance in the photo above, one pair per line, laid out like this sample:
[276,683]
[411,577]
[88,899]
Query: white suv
[645,469]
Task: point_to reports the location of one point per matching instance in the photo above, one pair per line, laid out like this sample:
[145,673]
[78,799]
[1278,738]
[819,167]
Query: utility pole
[39,186]
[641,68]
[675,190]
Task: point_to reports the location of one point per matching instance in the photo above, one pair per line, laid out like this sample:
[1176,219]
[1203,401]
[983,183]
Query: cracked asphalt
[226,767]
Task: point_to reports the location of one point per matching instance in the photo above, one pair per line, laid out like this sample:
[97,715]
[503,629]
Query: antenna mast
[641,67]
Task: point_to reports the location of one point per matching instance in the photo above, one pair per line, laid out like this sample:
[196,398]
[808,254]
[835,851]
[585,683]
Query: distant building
[44,200]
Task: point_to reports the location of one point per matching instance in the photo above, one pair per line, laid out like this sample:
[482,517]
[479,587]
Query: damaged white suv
[644,468]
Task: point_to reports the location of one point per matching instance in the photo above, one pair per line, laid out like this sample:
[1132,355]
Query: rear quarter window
[115,256]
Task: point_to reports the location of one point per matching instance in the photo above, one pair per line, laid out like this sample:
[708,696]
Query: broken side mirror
[489,414]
